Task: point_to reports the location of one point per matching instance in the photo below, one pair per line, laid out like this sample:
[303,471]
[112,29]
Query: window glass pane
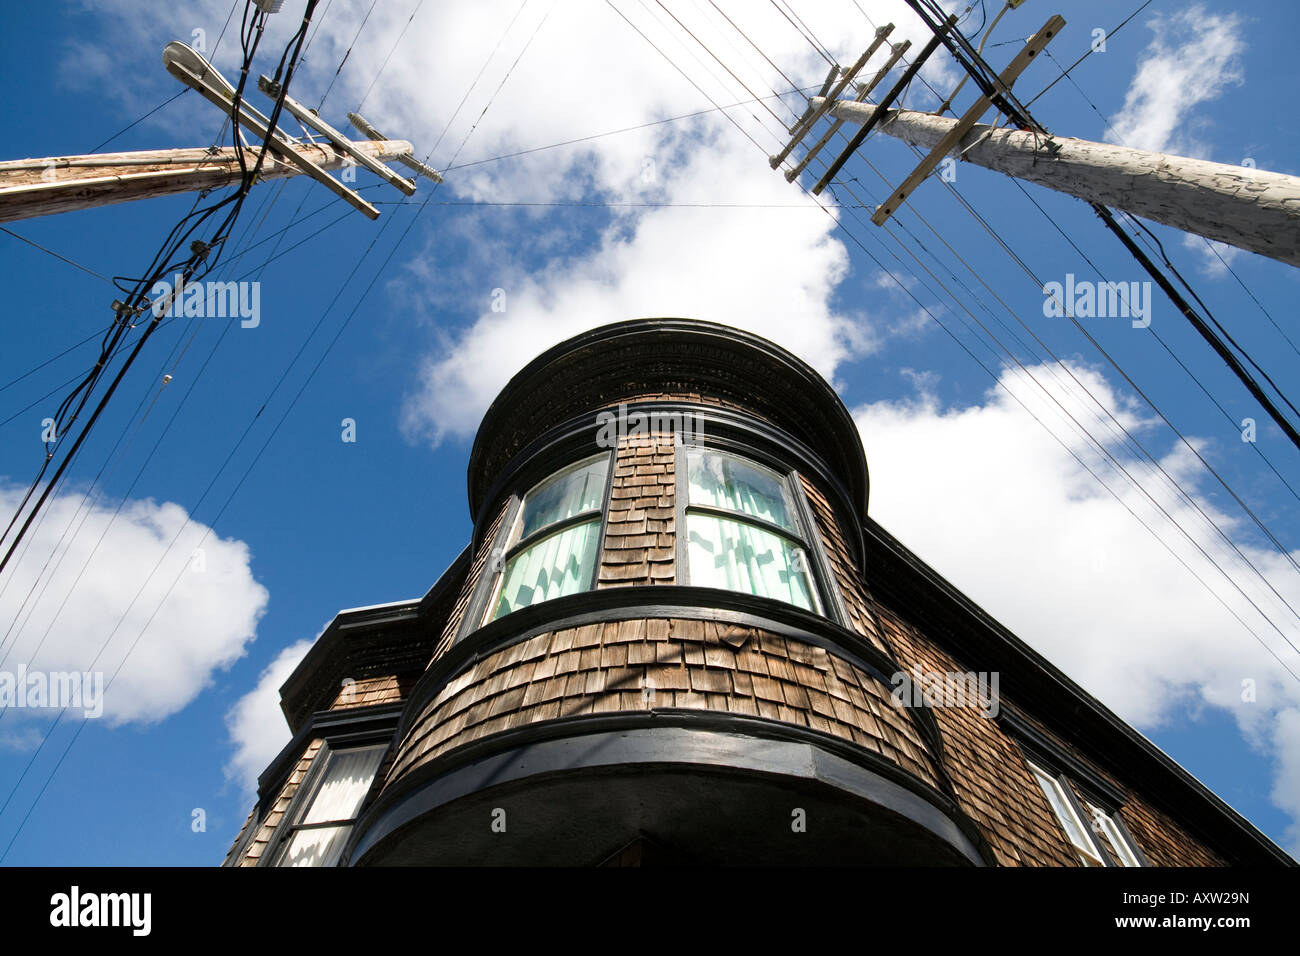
[1123,852]
[346,781]
[1065,813]
[343,783]
[721,481]
[552,567]
[316,847]
[563,496]
[742,557]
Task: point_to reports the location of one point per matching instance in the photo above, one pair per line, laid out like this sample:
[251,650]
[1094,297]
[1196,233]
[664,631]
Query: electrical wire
[1136,484]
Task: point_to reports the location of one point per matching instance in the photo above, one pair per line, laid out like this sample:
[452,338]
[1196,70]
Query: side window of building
[745,530]
[318,822]
[553,545]
[1097,835]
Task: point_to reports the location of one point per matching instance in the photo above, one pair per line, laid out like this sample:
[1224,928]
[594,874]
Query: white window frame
[1123,851]
[305,798]
[514,544]
[804,538]
[1063,808]
[1102,849]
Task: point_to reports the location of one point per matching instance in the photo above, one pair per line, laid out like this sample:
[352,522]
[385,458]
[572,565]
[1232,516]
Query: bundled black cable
[201,258]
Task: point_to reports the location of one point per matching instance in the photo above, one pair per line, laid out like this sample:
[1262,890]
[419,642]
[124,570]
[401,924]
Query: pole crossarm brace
[860,137]
[189,66]
[898,50]
[810,119]
[309,118]
[1036,44]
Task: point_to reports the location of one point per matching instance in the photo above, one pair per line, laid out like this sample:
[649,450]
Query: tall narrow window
[1063,807]
[555,540]
[1118,843]
[742,530]
[325,812]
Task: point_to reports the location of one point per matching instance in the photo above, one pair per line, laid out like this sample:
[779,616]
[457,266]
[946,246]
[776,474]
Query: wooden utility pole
[1251,209]
[42,187]
[54,184]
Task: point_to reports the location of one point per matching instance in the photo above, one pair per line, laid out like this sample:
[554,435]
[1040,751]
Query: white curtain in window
[320,846]
[721,481]
[742,557]
[552,567]
[563,496]
[346,781]
[343,786]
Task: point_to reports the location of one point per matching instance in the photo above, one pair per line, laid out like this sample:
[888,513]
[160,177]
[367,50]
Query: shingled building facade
[678,637]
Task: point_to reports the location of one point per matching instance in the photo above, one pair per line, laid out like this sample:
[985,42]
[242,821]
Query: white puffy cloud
[258,730]
[1007,514]
[120,612]
[771,270]
[1194,56]
[572,69]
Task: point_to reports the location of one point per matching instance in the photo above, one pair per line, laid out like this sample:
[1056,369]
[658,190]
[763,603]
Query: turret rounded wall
[651,642]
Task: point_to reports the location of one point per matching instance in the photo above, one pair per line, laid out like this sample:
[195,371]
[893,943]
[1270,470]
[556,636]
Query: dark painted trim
[1052,757]
[664,601]
[1128,835]
[836,608]
[485,586]
[492,760]
[350,724]
[611,466]
[575,353]
[723,428]
[407,634]
[903,582]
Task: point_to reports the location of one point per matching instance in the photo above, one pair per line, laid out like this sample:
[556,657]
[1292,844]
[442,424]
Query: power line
[59,256]
[261,451]
[1208,557]
[1087,53]
[409,20]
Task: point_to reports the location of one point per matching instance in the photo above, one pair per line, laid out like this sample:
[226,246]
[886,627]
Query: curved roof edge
[593,369]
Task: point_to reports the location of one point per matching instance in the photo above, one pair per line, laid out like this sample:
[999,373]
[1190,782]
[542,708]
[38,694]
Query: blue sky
[674,218]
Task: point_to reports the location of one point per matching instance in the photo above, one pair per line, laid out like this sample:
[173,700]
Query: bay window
[554,542]
[743,530]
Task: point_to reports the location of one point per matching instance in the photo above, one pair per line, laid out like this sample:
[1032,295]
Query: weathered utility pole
[1252,209]
[54,184]
[43,187]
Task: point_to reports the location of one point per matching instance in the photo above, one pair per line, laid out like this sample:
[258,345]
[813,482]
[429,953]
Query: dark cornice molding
[347,724]
[618,725]
[625,359]
[903,582]
[369,642]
